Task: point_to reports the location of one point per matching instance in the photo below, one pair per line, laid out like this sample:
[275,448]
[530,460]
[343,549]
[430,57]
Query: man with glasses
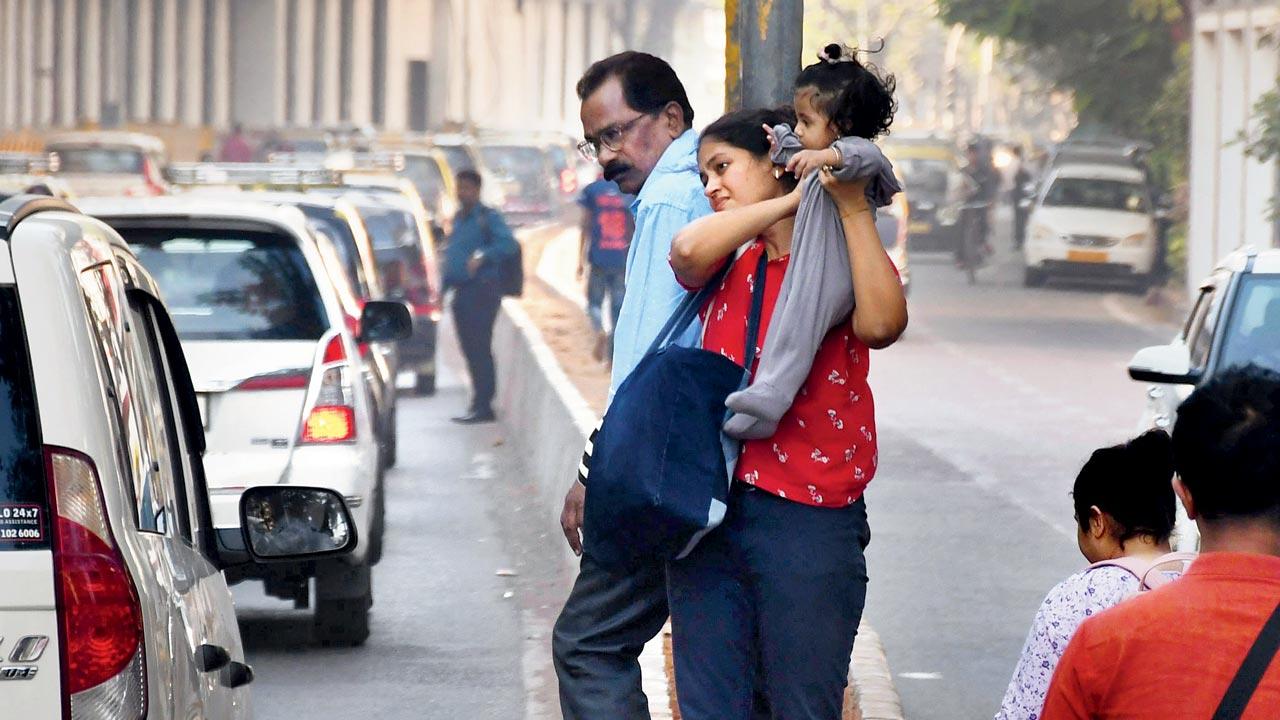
[637,122]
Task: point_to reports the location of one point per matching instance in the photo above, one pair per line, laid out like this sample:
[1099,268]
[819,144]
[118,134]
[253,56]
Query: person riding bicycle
[982,184]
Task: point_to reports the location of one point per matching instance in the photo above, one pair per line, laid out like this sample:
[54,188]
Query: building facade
[394,64]
[1235,60]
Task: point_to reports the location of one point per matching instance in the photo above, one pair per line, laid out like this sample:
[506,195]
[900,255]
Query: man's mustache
[615,169]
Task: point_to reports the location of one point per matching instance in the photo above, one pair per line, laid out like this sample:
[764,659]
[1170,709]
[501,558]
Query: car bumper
[1118,260]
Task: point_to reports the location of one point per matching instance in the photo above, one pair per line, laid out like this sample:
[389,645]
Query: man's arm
[584,236]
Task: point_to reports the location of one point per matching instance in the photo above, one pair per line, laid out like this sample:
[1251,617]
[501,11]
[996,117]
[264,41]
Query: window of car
[1098,195]
[24,510]
[1200,330]
[425,174]
[232,284]
[926,177]
[1252,333]
[389,227]
[344,242]
[458,157]
[100,160]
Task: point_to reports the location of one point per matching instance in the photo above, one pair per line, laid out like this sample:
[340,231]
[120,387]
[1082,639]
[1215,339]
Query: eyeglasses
[611,137]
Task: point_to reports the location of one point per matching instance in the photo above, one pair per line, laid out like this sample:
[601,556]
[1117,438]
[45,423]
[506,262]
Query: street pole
[762,51]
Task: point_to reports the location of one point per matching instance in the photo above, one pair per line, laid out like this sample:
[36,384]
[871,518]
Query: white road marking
[920,675]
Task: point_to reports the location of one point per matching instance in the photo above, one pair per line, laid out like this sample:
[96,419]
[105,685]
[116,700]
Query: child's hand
[807,161]
[773,142]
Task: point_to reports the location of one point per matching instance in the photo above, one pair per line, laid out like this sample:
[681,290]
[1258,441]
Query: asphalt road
[987,409]
[462,597]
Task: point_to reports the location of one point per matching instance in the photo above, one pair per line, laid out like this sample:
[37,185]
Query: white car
[1091,220]
[109,163]
[1235,321]
[277,373]
[113,603]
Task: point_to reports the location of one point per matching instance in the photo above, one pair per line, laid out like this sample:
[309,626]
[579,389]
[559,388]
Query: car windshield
[390,228]
[232,285]
[425,174]
[23,499]
[457,157]
[1253,332]
[514,161]
[100,160]
[927,177]
[1097,194]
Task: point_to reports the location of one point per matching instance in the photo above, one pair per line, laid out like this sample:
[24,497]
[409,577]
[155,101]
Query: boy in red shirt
[1200,647]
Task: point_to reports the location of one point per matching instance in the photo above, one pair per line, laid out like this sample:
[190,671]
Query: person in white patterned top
[1124,507]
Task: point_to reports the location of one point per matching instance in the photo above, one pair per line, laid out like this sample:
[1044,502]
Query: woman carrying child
[775,594]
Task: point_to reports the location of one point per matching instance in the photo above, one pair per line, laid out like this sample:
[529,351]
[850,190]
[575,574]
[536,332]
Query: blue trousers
[774,595]
[602,284]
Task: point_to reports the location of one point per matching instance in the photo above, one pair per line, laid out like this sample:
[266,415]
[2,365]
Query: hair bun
[833,51]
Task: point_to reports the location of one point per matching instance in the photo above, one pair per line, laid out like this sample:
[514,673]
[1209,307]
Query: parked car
[462,153]
[114,602]
[104,163]
[530,184]
[275,366]
[1092,220]
[22,173]
[430,173]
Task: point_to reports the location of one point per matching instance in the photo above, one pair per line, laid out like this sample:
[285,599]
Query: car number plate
[1086,256]
[920,227]
[202,401]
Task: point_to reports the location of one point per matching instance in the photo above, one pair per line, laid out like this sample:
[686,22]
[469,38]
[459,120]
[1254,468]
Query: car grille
[1096,241]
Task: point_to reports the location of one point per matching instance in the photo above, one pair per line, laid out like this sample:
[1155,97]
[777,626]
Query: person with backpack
[1201,647]
[481,265]
[1125,513]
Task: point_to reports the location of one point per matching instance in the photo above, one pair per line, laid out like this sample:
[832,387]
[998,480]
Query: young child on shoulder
[841,107]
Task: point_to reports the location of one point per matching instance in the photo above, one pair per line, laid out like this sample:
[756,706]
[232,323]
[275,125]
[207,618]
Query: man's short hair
[648,82]
[1226,445]
[468,175]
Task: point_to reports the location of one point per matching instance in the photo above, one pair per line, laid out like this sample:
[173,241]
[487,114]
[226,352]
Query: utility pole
[762,51]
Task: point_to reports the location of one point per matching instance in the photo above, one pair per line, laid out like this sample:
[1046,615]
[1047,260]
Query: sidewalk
[554,300]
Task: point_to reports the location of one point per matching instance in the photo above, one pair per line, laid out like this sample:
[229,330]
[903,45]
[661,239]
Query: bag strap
[1143,570]
[757,310]
[1255,665]
[688,310]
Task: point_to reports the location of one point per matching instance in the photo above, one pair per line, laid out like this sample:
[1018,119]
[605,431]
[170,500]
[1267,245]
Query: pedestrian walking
[1124,509]
[235,147]
[477,262]
[776,591]
[602,256]
[1203,646]
[637,122]
[1017,194]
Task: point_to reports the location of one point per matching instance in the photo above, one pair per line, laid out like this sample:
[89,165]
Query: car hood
[218,365]
[1089,221]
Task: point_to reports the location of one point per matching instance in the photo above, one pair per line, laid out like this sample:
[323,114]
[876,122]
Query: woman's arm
[880,308]
[700,248]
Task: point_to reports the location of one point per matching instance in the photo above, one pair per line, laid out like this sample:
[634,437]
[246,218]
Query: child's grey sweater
[817,292]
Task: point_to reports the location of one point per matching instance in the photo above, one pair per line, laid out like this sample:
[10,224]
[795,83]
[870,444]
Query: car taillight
[285,380]
[103,664]
[568,181]
[332,417]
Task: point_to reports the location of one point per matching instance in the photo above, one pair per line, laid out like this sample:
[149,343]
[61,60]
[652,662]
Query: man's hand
[807,161]
[582,270]
[850,197]
[571,516]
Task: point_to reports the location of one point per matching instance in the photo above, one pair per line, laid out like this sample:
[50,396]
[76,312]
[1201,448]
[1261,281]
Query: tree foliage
[1116,55]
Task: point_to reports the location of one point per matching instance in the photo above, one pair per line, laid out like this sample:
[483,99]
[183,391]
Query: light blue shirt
[671,198]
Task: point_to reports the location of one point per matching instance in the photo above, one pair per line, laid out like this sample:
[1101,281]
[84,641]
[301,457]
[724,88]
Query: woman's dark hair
[1133,484]
[854,96]
[648,82]
[744,129]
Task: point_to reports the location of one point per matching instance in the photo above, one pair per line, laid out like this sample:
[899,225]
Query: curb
[536,397]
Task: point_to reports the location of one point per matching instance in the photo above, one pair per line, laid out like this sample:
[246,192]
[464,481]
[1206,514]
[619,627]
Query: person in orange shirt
[1201,647]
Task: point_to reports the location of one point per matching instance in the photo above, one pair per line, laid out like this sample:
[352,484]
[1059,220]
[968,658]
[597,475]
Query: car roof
[197,207]
[274,197]
[1092,171]
[1265,261]
[150,143]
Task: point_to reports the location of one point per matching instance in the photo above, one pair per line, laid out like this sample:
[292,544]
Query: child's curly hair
[855,97]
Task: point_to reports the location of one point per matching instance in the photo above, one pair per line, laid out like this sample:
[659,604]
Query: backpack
[1151,574]
[510,272]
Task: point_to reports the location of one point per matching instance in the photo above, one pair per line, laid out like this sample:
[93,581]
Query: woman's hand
[850,197]
[807,161]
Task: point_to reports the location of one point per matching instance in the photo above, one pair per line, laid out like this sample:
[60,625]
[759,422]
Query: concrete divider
[549,417]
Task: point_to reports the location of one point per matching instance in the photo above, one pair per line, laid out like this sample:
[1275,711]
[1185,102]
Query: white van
[112,600]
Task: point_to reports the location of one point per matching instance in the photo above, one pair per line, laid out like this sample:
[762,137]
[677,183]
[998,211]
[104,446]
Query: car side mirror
[383,321]
[288,522]
[1164,364]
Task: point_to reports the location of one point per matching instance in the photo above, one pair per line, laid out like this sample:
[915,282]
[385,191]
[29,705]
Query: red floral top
[824,452]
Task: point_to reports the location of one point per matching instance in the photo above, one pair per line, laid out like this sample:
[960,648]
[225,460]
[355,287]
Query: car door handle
[211,657]
[237,675]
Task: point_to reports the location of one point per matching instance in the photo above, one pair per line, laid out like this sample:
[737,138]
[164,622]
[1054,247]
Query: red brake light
[568,181]
[326,424]
[276,381]
[335,351]
[101,618]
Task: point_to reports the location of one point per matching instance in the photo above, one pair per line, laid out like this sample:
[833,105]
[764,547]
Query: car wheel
[426,383]
[1033,278]
[391,448]
[378,524]
[344,594]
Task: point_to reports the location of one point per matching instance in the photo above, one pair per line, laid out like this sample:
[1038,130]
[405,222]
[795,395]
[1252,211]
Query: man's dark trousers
[475,308]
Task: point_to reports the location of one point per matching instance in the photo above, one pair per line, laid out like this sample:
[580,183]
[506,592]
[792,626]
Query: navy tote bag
[660,466]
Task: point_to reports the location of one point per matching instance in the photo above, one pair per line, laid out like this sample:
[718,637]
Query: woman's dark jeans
[777,589]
